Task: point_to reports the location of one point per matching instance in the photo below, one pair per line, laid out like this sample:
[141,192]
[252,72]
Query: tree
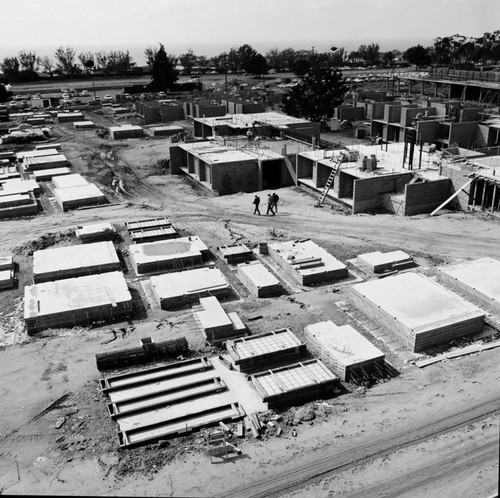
[301,67]
[28,61]
[84,57]
[370,53]
[150,55]
[47,65]
[318,93]
[275,59]
[119,62]
[101,58]
[162,71]
[388,58]
[10,67]
[251,61]
[188,61]
[417,55]
[65,57]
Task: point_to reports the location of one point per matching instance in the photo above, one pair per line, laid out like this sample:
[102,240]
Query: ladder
[329,182]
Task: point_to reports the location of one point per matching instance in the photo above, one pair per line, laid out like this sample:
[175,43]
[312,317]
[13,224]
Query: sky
[210,27]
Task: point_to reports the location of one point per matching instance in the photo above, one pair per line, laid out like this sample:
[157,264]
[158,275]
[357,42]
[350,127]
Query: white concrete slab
[73,180]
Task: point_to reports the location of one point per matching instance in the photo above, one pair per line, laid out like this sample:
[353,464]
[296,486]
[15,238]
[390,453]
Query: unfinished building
[295,384]
[477,280]
[344,350]
[235,253]
[125,131]
[256,352]
[76,301]
[180,288]
[419,311]
[37,163]
[258,279]
[169,400]
[74,261]
[70,117]
[216,325]
[307,262]
[78,196]
[165,255]
[95,232]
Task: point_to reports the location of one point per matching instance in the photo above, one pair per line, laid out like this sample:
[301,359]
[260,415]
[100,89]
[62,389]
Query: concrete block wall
[304,167]
[482,136]
[392,113]
[209,110]
[471,114]
[426,131]
[230,178]
[178,159]
[408,113]
[351,113]
[322,174]
[368,192]
[458,174]
[425,197]
[463,134]
[248,107]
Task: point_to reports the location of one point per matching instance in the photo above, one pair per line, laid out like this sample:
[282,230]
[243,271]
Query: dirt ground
[56,437]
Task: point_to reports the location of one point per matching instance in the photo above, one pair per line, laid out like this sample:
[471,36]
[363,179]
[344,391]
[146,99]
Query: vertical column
[493,199]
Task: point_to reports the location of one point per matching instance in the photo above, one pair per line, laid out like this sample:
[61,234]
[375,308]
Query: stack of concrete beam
[153,234]
[477,280]
[76,301]
[180,288]
[256,352]
[125,131]
[6,272]
[167,401]
[418,310]
[4,113]
[295,383]
[74,261]
[70,117]
[217,325]
[258,279]
[344,350]
[8,154]
[307,262]
[236,253]
[147,224]
[46,175]
[95,232]
[83,125]
[168,254]
[378,262]
[8,171]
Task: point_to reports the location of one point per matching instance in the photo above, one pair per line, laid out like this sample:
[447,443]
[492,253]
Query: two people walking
[272,204]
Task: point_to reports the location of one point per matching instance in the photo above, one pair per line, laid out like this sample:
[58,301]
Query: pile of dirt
[43,242]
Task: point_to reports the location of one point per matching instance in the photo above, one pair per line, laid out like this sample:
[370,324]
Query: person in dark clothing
[275,201]
[256,202]
[270,202]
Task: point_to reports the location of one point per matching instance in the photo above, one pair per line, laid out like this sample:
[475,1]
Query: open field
[426,432]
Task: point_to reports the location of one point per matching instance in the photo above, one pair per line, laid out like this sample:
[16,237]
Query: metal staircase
[329,182]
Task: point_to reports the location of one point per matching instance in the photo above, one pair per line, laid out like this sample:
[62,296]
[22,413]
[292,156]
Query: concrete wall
[427,196]
[209,110]
[230,178]
[426,131]
[463,134]
[471,114]
[408,113]
[458,174]
[351,113]
[482,135]
[162,114]
[368,193]
[178,159]
[304,167]
[392,113]
[248,107]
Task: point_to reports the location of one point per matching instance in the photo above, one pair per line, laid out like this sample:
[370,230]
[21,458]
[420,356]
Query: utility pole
[225,71]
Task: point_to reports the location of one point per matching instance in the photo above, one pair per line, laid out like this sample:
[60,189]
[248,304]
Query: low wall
[425,197]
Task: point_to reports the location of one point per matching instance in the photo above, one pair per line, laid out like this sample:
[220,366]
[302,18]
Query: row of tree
[67,62]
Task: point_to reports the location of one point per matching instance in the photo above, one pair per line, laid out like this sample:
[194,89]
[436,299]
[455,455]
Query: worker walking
[270,203]
[256,202]
[249,136]
[275,201]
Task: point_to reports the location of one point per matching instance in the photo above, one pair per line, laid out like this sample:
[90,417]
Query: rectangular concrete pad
[478,280]
[44,162]
[167,254]
[175,289]
[73,180]
[95,231]
[83,195]
[420,311]
[74,261]
[307,262]
[378,262]
[48,174]
[76,301]
[258,279]
[341,348]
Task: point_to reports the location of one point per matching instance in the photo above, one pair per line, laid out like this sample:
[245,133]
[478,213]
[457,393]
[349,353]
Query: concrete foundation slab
[256,352]
[46,175]
[478,280]
[95,232]
[44,162]
[83,195]
[76,301]
[18,186]
[74,261]
[73,180]
[418,310]
[295,383]
[343,349]
[48,150]
[13,206]
[234,254]
[378,262]
[168,254]
[181,288]
[307,262]
[217,326]
[6,263]
[7,278]
[258,279]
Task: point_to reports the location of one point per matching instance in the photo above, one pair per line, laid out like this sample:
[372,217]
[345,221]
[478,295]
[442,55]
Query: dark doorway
[271,174]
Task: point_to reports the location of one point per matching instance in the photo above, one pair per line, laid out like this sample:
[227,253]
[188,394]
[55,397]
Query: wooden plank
[441,206]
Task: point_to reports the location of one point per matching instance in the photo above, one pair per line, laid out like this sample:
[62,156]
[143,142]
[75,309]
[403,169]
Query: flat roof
[72,257]
[75,294]
[124,127]
[8,198]
[258,273]
[295,251]
[377,258]
[53,158]
[36,153]
[344,342]
[188,282]
[257,345]
[72,180]
[213,314]
[76,193]
[73,114]
[51,172]
[482,275]
[272,118]
[214,152]
[416,301]
[166,249]
[18,186]
[6,262]
[94,228]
